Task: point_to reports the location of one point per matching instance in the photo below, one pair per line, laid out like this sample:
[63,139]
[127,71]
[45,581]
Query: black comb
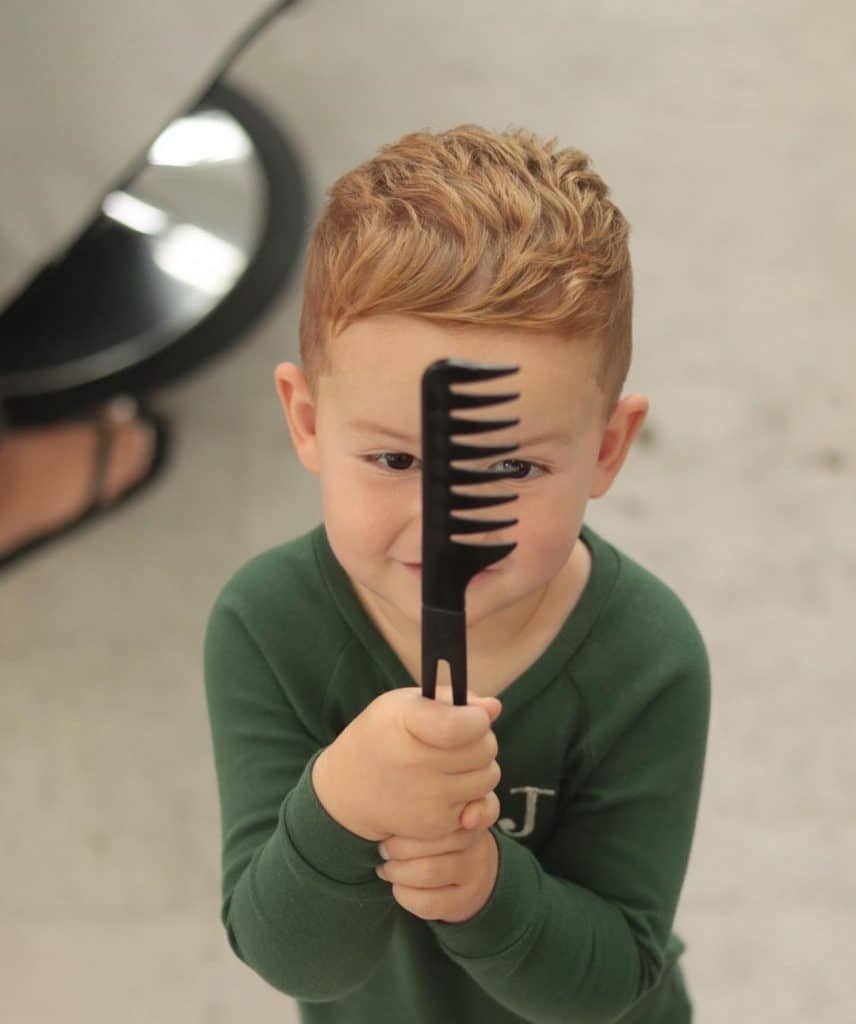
[447,565]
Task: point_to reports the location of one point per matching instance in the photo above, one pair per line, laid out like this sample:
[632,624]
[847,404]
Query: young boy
[552,896]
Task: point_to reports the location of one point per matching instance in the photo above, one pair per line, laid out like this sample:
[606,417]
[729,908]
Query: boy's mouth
[416,567]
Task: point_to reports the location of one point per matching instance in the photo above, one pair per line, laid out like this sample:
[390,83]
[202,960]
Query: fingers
[471,816]
[405,848]
[481,814]
[493,705]
[472,787]
[472,758]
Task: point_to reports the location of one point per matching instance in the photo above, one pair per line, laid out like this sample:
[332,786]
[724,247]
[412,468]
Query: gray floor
[726,137]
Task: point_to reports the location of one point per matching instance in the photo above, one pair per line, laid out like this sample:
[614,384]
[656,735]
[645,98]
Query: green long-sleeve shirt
[601,745]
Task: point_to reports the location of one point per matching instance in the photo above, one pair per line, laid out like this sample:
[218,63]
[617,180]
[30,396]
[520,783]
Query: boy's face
[363,439]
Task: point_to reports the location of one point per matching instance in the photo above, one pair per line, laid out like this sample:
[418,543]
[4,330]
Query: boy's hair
[468,226]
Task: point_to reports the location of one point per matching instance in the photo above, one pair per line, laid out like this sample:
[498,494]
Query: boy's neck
[498,648]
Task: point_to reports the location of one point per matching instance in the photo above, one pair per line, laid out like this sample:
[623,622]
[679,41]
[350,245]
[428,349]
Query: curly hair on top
[470,226]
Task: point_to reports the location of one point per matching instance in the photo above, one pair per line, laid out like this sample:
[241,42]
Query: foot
[46,472]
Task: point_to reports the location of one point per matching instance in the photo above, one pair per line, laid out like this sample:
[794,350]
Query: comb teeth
[461,371]
[459,451]
[461,401]
[448,565]
[459,426]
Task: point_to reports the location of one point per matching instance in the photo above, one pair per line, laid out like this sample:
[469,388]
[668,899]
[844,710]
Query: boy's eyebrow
[376,428]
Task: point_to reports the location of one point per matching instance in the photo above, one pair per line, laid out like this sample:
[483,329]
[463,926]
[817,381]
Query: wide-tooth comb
[447,565]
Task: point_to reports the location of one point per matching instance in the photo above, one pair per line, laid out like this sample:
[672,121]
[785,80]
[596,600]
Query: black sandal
[97,506]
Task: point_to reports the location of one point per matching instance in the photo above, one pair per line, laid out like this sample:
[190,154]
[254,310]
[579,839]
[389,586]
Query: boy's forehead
[383,397]
[377,366]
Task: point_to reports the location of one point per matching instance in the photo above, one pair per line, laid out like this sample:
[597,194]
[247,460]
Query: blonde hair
[469,226]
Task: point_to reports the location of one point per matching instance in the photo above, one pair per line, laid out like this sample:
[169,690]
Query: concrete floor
[726,137]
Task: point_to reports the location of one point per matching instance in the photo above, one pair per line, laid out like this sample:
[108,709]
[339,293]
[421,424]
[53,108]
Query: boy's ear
[623,425]
[299,409]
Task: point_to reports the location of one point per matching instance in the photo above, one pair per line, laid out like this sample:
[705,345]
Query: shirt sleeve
[301,903]
[580,931]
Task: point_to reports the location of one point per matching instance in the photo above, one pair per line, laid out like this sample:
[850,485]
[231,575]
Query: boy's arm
[302,905]
[580,931]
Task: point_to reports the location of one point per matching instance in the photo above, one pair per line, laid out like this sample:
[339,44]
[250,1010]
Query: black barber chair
[178,263]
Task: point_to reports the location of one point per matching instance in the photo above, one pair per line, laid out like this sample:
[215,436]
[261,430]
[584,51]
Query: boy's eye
[398,457]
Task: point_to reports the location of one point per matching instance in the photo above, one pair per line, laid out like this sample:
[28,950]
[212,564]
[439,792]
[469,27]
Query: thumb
[493,705]
[442,724]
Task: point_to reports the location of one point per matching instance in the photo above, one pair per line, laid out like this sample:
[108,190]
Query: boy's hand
[449,879]
[410,766]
